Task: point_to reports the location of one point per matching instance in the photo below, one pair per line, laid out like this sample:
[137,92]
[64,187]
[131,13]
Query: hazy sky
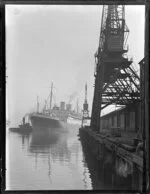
[46,43]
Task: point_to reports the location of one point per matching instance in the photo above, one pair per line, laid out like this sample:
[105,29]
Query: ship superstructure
[55,116]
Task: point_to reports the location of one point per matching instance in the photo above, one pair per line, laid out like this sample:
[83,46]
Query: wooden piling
[108,152]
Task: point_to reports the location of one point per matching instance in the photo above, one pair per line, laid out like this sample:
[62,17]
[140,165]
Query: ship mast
[51,95]
[44,108]
[77,106]
[37,104]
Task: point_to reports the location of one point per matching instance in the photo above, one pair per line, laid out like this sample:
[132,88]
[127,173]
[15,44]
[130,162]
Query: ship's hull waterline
[40,121]
[45,122]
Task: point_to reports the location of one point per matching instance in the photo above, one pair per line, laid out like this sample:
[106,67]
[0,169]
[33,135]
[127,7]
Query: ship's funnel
[62,105]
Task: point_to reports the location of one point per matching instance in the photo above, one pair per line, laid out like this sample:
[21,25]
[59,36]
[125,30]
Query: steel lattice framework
[116,81]
[85,107]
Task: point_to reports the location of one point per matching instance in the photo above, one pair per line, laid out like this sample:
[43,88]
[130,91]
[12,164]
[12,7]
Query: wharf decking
[123,145]
[118,153]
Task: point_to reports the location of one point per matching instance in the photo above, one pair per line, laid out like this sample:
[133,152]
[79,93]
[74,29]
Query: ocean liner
[56,116]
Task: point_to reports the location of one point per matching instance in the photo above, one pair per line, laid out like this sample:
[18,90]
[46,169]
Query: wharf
[117,153]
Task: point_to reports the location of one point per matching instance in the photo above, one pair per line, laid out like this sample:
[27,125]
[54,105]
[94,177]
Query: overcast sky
[57,43]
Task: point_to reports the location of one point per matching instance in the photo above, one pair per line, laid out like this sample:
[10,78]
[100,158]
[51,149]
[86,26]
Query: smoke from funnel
[72,96]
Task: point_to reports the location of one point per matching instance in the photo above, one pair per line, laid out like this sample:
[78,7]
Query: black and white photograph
[76,97]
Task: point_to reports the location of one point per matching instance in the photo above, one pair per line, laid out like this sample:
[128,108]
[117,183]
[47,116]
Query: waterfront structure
[85,110]
[116,82]
[125,119]
[119,138]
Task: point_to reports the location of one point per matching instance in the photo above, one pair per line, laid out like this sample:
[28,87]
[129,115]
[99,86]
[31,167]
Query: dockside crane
[115,79]
[85,110]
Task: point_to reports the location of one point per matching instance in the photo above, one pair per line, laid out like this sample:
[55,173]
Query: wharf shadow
[103,172]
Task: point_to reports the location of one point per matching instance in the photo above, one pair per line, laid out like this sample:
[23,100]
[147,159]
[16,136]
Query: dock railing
[116,131]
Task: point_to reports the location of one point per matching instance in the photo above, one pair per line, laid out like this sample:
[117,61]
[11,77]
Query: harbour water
[51,160]
[43,160]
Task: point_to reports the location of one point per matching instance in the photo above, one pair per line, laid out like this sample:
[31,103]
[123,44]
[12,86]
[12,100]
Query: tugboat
[23,128]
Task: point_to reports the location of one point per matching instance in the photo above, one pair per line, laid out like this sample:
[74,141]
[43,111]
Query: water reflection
[48,141]
[47,159]
[56,159]
[25,139]
[43,137]
[95,169]
[53,159]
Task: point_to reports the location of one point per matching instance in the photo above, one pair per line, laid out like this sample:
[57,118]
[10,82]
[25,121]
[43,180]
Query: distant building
[127,119]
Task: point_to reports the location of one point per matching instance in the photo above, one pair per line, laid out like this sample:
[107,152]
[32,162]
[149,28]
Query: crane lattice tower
[115,79]
[85,106]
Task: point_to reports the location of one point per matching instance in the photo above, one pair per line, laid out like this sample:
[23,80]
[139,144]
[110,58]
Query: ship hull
[45,122]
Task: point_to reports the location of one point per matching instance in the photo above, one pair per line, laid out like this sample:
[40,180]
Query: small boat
[14,129]
[24,127]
